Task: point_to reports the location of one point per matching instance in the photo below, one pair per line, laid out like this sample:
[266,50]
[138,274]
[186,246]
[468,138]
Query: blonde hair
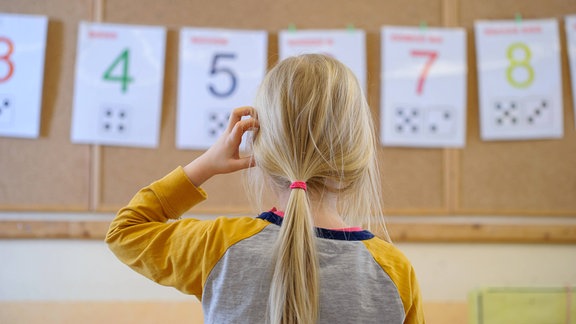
[315,126]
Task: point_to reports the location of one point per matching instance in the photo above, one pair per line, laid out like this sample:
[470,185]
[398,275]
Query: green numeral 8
[524,63]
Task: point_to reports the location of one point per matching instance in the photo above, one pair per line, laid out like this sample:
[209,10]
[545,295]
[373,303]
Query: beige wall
[61,281]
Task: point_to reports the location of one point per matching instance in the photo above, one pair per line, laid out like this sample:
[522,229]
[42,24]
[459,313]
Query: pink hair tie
[298,185]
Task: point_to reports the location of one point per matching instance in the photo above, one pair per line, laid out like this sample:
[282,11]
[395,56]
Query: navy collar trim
[323,232]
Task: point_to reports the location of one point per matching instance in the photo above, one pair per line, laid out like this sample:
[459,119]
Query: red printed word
[209,40]
[417,38]
[311,42]
[102,34]
[512,30]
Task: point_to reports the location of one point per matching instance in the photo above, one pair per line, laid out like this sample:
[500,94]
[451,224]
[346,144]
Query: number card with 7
[219,70]
[520,89]
[118,87]
[22,48]
[423,102]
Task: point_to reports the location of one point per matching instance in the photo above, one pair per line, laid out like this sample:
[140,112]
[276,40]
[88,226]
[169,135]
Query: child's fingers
[243,126]
[238,113]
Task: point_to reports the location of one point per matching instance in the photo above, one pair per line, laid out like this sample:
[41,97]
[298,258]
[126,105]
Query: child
[313,145]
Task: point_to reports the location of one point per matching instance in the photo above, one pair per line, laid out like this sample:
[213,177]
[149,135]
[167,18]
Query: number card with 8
[22,50]
[118,87]
[520,89]
[219,70]
[347,46]
[423,102]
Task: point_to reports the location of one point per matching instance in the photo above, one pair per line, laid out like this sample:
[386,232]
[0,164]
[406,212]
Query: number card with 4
[22,50]
[118,87]
[219,70]
[347,46]
[423,102]
[520,89]
[571,38]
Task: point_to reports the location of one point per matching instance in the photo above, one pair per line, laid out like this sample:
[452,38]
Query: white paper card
[347,46]
[118,86]
[520,88]
[570,24]
[22,51]
[219,70]
[423,97]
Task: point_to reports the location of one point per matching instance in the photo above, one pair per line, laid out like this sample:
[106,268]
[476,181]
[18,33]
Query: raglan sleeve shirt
[182,253]
[170,253]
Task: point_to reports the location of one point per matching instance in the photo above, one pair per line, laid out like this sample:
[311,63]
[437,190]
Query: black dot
[400,112]
[544,104]
[414,129]
[499,121]
[213,116]
[513,120]
[530,120]
[212,132]
[537,112]
[106,126]
[513,105]
[121,128]
[122,114]
[414,112]
[108,113]
[447,115]
[433,128]
[399,128]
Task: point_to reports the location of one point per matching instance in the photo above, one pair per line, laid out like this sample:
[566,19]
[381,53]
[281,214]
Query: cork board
[496,178]
[413,179]
[529,177]
[49,173]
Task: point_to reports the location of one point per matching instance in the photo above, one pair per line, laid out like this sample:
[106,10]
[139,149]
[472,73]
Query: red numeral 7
[432,56]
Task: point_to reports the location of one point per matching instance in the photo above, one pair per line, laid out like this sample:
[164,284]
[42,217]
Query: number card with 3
[118,87]
[219,70]
[423,102]
[22,48]
[347,46]
[520,89]
[571,38]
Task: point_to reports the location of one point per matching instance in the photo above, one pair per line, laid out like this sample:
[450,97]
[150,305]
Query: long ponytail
[294,291]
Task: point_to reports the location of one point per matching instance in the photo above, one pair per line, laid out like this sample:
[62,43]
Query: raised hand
[224,155]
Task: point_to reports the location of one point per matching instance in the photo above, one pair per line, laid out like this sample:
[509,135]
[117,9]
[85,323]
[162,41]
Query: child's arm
[172,253]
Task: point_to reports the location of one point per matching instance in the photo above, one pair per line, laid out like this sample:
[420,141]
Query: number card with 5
[22,48]
[347,46]
[423,102]
[219,70]
[571,38]
[118,87]
[520,89]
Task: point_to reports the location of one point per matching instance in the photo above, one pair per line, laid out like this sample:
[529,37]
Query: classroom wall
[67,281]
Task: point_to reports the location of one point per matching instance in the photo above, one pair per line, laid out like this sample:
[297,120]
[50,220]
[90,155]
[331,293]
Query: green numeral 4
[123,59]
